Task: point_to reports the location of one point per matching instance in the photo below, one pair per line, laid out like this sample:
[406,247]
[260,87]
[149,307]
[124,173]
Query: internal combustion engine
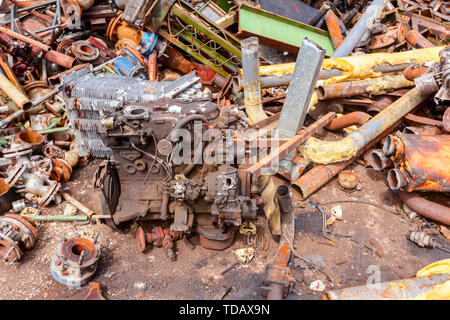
[149,171]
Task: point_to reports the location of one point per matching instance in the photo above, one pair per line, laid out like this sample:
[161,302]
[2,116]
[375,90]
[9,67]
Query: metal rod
[306,71]
[364,23]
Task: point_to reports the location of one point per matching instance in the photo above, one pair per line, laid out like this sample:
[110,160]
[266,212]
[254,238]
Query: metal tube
[425,207]
[372,12]
[353,118]
[276,275]
[318,176]
[76,203]
[396,180]
[333,28]
[25,39]
[14,94]
[420,161]
[417,40]
[252,91]
[11,117]
[284,199]
[326,152]
[59,58]
[375,86]
[379,161]
[298,98]
[35,6]
[56,218]
[432,286]
[361,66]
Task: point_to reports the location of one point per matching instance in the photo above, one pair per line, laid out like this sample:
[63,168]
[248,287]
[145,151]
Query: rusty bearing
[84,51]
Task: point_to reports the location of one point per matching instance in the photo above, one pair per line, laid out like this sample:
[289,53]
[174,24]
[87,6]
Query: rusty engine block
[133,124]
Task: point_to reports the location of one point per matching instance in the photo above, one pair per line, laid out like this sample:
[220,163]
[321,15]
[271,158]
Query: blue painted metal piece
[128,65]
[148,42]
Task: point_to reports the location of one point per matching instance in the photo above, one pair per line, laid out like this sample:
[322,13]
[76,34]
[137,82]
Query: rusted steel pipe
[25,39]
[152,66]
[333,28]
[59,58]
[15,94]
[417,40]
[252,89]
[421,162]
[353,118]
[8,72]
[277,274]
[325,152]
[375,86]
[358,66]
[423,288]
[424,207]
[413,72]
[318,176]
[364,22]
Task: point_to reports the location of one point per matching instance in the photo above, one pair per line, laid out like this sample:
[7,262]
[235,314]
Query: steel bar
[36,6]
[298,98]
[364,23]
[76,203]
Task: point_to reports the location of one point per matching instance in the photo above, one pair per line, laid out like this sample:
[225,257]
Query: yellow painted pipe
[326,152]
[15,94]
[360,66]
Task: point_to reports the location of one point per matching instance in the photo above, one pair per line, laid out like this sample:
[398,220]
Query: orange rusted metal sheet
[423,161]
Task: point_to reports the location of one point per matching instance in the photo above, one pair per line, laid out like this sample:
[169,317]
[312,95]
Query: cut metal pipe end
[379,161]
[389,147]
[396,180]
[284,199]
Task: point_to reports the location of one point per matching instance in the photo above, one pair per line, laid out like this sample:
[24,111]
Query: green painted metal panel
[224,4]
[280,31]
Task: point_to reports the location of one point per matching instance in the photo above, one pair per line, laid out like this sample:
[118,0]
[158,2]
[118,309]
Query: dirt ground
[125,273]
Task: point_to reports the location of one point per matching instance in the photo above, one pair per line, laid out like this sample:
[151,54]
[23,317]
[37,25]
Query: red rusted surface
[176,61]
[353,118]
[152,66]
[413,72]
[318,176]
[417,40]
[423,160]
[333,28]
[425,207]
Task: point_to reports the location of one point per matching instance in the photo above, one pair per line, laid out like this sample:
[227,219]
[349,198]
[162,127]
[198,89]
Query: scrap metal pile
[194,106]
